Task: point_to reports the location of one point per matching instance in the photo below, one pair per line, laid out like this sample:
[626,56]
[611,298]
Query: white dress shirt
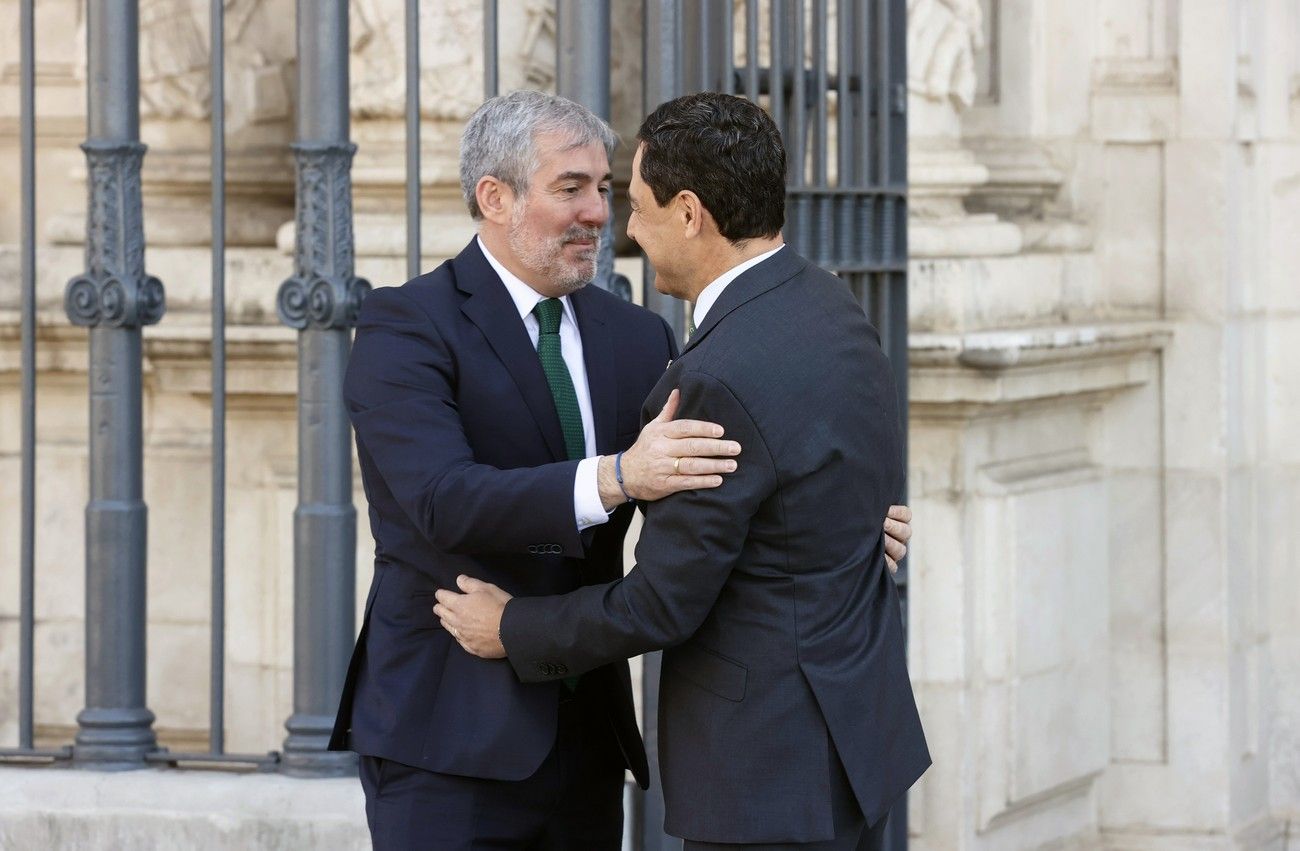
[709,295]
[588,510]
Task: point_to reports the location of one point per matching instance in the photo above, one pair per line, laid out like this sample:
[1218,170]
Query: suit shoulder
[424,293]
[620,310]
[632,322]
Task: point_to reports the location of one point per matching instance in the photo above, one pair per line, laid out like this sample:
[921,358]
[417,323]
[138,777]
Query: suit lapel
[598,354]
[753,282]
[490,308]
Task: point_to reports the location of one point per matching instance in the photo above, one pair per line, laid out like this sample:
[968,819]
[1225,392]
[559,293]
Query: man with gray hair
[496,402]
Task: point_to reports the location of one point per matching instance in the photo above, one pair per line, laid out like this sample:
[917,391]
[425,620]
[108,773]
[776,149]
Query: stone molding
[966,375]
[1135,99]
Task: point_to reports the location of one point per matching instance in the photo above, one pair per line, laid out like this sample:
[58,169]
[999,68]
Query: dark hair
[727,151]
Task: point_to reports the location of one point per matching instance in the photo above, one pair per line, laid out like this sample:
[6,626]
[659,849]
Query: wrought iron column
[661,81]
[321,300]
[706,49]
[114,298]
[582,75]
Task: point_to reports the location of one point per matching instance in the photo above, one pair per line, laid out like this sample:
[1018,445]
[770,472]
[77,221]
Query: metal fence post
[321,300]
[582,75]
[114,298]
[661,81]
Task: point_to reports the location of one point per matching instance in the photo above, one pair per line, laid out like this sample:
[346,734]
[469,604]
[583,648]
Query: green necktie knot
[548,312]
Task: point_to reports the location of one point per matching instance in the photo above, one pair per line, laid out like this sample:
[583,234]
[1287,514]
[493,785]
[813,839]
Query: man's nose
[595,211]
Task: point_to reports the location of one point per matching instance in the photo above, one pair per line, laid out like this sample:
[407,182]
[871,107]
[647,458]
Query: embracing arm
[400,392]
[688,547]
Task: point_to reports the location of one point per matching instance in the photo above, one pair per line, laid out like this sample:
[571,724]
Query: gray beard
[545,257]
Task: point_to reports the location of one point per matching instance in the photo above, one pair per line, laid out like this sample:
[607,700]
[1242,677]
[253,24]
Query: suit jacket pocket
[708,670]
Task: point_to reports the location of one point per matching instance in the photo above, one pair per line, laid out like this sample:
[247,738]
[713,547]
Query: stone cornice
[951,375]
[983,372]
[261,360]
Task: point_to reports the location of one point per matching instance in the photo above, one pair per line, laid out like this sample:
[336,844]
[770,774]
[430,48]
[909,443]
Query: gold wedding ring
[677,466]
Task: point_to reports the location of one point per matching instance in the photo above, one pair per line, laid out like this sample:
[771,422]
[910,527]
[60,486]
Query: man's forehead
[562,154]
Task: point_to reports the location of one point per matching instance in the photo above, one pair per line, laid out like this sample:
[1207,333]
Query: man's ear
[691,212]
[495,199]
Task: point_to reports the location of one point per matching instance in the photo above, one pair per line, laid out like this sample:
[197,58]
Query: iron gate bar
[661,74]
[217,88]
[846,166]
[27,563]
[798,95]
[114,298]
[491,68]
[321,300]
[705,58]
[751,50]
[412,138]
[776,66]
[821,135]
[582,53]
[582,44]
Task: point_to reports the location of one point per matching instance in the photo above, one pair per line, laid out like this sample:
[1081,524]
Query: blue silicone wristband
[618,475]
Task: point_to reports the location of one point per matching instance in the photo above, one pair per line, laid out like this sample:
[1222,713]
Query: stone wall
[1104,381]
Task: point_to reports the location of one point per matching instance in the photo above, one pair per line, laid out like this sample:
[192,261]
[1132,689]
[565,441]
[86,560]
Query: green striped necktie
[548,312]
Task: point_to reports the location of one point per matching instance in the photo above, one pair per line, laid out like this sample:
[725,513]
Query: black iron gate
[833,76]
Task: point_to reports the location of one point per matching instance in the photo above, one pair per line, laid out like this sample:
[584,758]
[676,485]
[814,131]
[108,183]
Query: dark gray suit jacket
[771,592]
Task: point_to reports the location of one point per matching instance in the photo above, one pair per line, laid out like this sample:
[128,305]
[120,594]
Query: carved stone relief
[536,55]
[451,59]
[174,59]
[942,39]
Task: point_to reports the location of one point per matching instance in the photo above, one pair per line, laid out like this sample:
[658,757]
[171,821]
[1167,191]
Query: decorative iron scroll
[114,290]
[323,291]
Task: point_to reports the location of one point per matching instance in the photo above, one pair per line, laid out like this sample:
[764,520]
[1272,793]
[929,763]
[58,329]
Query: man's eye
[606,190]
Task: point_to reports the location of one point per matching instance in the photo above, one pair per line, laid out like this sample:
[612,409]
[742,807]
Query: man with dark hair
[490,398]
[786,714]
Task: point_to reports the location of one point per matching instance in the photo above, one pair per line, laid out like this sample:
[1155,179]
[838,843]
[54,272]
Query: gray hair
[501,138]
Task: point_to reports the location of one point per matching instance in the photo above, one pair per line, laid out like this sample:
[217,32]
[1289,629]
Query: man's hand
[474,617]
[668,456]
[898,531]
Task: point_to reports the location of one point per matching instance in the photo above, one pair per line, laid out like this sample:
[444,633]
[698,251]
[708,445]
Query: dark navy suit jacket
[464,466]
[771,592]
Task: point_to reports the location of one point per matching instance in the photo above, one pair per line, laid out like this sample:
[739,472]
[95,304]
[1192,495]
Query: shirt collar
[524,296]
[709,295]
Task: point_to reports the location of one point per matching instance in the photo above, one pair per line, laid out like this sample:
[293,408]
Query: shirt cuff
[587,507]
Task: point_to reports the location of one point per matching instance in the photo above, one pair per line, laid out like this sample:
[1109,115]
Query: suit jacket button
[561,669]
[543,667]
[532,548]
[557,549]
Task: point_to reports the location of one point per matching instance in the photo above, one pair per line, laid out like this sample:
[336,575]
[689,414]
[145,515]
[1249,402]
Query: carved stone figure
[942,39]
[451,64]
[174,60]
